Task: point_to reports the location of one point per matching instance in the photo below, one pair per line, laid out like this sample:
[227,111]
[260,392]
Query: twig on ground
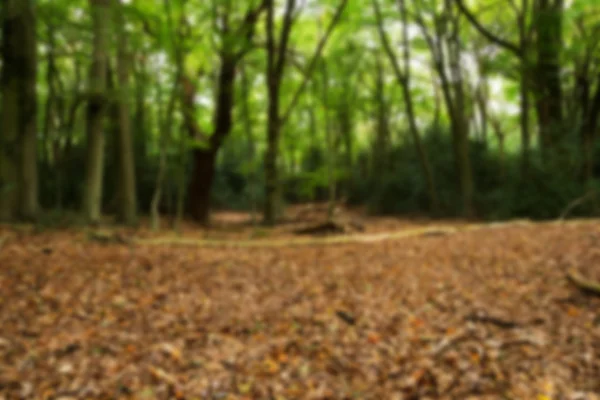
[346,317]
[449,342]
[583,284]
[487,319]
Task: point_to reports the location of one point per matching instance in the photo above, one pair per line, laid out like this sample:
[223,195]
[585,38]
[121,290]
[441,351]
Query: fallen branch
[334,226]
[518,342]
[450,342]
[346,317]
[486,319]
[107,238]
[575,203]
[583,284]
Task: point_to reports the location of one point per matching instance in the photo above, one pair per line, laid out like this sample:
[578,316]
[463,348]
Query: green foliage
[503,191]
[167,35]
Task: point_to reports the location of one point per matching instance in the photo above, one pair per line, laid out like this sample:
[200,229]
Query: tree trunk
[202,173]
[403,77]
[127,207]
[165,121]
[247,117]
[548,90]
[271,172]
[18,148]
[524,118]
[405,82]
[180,177]
[158,187]
[434,203]
[201,184]
[500,137]
[481,99]
[382,138]
[29,172]
[589,103]
[92,197]
[49,127]
[140,115]
[345,124]
[454,99]
[331,147]
[460,125]
[461,138]
[524,88]
[275,67]
[68,124]
[276,61]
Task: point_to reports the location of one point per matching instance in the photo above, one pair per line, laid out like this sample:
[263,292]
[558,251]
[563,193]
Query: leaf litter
[481,314]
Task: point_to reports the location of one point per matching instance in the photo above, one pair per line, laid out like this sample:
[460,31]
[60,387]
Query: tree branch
[288,21]
[385,40]
[505,44]
[248,26]
[313,61]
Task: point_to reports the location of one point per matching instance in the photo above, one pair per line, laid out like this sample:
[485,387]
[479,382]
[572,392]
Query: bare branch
[400,75]
[485,32]
[313,61]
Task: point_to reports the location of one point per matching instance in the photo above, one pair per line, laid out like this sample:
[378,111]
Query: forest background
[445,108]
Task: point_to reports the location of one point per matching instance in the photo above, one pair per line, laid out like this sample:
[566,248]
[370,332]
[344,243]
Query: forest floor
[404,310]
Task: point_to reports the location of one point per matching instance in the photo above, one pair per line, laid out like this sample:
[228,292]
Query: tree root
[585,285]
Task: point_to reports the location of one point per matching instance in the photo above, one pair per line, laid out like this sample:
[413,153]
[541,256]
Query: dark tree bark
[276,53]
[547,87]
[203,169]
[589,103]
[96,110]
[49,128]
[201,184]
[127,206]
[67,118]
[202,177]
[18,148]
[381,145]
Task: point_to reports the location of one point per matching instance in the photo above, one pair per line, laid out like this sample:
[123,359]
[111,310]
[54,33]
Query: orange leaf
[417,322]
[373,338]
[270,366]
[178,394]
[573,311]
[283,358]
